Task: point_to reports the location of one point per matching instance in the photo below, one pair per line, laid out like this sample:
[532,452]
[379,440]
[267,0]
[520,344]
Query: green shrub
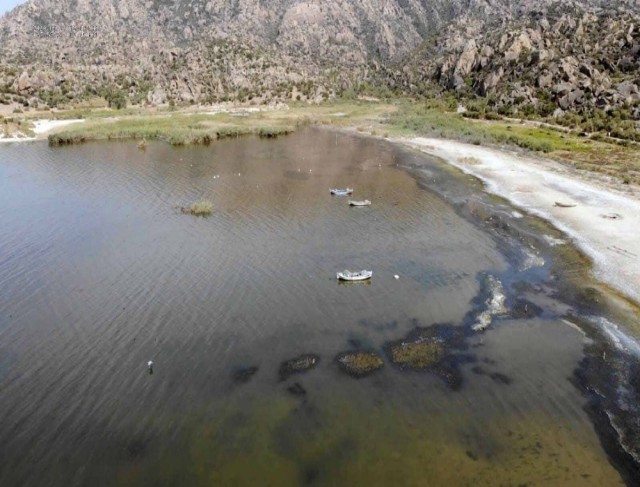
[116,99]
[492,116]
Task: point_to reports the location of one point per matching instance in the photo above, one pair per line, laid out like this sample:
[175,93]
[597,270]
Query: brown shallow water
[100,272]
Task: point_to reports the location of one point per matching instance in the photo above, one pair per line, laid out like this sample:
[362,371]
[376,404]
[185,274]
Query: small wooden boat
[354,276]
[368,282]
[341,192]
[359,203]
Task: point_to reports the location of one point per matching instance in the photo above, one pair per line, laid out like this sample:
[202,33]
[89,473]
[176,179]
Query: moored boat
[341,192]
[359,203]
[354,276]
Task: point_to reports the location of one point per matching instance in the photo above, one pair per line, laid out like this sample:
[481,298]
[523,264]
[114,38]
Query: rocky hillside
[345,31]
[576,62]
[526,57]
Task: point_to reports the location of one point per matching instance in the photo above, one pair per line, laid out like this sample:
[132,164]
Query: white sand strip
[44,126]
[605,225]
[18,137]
[40,128]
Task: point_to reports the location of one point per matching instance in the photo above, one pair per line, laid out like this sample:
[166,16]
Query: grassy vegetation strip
[620,161]
[183,128]
[424,119]
[176,129]
[398,117]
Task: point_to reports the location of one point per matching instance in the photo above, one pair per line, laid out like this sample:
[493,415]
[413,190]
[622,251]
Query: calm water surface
[100,272]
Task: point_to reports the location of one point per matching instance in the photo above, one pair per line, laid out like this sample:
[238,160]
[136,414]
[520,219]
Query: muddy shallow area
[503,363]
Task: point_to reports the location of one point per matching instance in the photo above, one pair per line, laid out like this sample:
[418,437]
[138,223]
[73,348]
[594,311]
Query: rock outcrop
[552,55]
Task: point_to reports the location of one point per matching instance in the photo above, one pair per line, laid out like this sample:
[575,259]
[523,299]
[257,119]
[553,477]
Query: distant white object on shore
[150,366]
[396,277]
[359,203]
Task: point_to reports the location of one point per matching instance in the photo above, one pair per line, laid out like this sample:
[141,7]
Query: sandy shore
[19,137]
[604,224]
[41,128]
[46,126]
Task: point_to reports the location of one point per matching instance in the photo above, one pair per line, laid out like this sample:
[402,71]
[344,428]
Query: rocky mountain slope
[339,30]
[572,59]
[516,56]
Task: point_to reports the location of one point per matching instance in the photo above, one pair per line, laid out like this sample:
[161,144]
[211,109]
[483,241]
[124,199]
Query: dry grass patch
[201,208]
[469,161]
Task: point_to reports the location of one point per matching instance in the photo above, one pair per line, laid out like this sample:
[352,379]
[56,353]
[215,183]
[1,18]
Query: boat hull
[341,192]
[354,276]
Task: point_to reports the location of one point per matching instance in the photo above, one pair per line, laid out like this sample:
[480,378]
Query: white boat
[354,276]
[359,203]
[341,192]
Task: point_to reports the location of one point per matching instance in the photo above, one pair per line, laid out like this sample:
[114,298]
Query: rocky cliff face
[347,31]
[577,57]
[545,54]
[207,49]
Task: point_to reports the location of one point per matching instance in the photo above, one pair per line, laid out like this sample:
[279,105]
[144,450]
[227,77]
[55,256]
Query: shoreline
[44,126]
[41,129]
[601,223]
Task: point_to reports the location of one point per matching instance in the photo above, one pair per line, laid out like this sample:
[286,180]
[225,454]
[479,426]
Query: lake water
[101,272]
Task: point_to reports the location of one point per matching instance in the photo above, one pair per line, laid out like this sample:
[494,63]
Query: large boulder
[541,55]
[23,84]
[466,63]
[586,70]
[157,96]
[563,88]
[568,68]
[491,81]
[485,56]
[521,42]
[628,90]
[570,99]
[545,80]
[576,96]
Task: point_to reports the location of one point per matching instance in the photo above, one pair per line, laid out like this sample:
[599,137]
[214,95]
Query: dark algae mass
[434,349]
[244,374]
[298,365]
[359,363]
[493,359]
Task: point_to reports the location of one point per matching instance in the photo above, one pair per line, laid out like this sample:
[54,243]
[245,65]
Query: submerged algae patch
[297,365]
[359,364]
[435,349]
[342,441]
[243,375]
[417,354]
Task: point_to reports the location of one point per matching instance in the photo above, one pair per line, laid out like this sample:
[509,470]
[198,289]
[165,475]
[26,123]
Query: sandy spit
[19,137]
[45,126]
[603,224]
[41,128]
